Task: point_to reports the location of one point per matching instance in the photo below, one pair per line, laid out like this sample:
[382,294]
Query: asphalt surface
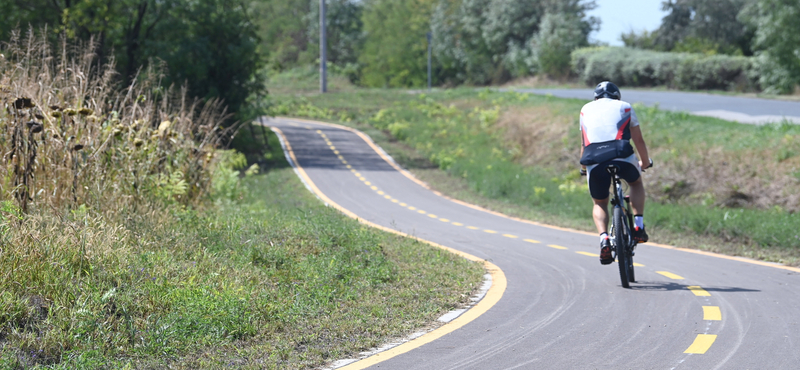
[733,108]
[561,308]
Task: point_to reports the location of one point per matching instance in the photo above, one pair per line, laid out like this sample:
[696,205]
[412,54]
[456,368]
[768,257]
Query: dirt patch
[541,137]
[763,178]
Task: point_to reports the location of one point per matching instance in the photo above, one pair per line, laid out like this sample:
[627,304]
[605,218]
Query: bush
[633,67]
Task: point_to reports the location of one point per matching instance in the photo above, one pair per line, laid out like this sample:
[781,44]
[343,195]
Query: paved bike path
[561,308]
[732,108]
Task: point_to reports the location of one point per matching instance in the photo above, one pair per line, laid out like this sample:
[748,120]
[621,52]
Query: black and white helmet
[607,89]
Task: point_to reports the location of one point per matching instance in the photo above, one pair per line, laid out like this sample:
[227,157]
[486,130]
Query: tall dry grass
[69,135]
[84,166]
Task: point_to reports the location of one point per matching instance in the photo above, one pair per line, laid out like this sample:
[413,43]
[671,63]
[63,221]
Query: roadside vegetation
[717,185]
[130,239]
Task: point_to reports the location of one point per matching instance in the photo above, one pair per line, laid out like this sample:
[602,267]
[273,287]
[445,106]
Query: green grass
[457,132]
[272,279]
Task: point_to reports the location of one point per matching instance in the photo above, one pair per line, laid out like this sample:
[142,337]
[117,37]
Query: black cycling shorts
[600,179]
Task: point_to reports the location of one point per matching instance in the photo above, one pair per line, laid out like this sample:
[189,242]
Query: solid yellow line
[424,185]
[701,344]
[670,275]
[491,298]
[532,241]
[556,246]
[712,313]
[588,254]
[510,236]
[698,291]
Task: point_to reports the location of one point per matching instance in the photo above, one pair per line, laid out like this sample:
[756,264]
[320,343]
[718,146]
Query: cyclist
[607,126]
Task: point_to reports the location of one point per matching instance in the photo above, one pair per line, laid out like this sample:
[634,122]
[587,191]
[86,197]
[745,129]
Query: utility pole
[429,60]
[323,57]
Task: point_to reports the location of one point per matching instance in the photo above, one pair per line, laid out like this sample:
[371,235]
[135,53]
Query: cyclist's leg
[637,196]
[632,174]
[599,180]
[600,215]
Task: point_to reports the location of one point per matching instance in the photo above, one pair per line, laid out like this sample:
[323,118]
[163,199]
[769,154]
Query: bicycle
[622,241]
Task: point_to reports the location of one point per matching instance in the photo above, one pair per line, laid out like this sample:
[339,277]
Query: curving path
[731,108]
[560,308]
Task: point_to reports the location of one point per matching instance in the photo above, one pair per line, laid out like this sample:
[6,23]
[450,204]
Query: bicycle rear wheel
[620,245]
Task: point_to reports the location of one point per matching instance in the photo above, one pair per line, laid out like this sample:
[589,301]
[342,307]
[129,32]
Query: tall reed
[70,136]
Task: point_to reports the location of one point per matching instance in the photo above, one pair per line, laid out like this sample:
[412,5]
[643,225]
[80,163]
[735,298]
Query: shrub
[689,71]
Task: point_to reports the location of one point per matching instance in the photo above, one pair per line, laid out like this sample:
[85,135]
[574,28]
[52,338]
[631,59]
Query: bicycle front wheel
[620,245]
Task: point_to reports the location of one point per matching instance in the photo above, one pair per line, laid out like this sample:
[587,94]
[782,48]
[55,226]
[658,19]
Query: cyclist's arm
[641,147]
[583,167]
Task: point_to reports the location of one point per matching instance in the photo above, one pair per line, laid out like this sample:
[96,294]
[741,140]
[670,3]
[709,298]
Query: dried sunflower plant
[70,136]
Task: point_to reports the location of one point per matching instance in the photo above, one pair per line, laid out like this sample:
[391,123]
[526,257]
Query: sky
[620,16]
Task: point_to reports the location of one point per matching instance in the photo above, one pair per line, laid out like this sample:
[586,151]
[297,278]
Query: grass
[718,185]
[273,279]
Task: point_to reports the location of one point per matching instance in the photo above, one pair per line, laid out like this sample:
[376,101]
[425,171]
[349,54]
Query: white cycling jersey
[606,120]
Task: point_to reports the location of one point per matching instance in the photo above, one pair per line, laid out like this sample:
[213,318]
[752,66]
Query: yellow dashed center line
[431,215]
[701,344]
[490,231]
[362,179]
[458,224]
[670,275]
[532,241]
[358,174]
[373,187]
[366,182]
[387,196]
[333,147]
[698,291]
[403,204]
[380,192]
[588,254]
[395,200]
[556,246]
[472,227]
[510,236]
[444,220]
[411,208]
[422,212]
[638,264]
[337,152]
[350,167]
[712,313]
[340,157]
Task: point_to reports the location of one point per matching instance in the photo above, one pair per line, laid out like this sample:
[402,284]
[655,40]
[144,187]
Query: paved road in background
[732,108]
[562,309]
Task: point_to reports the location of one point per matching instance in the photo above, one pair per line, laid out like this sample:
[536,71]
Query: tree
[710,26]
[483,41]
[560,34]
[777,42]
[211,45]
[394,52]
